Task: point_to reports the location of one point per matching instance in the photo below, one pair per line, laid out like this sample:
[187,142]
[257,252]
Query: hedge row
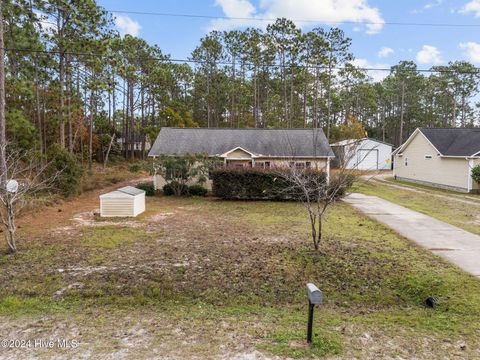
[173,187]
[254,184]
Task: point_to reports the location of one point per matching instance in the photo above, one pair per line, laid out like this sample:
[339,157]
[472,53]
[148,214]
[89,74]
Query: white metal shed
[364,154]
[126,201]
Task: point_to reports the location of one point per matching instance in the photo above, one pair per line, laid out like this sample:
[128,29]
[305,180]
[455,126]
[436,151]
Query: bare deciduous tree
[27,171]
[317,188]
[316,191]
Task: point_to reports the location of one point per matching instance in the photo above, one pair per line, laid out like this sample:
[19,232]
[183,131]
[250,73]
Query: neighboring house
[137,142]
[265,148]
[440,157]
[363,154]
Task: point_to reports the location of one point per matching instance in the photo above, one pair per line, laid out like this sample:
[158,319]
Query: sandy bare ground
[170,256]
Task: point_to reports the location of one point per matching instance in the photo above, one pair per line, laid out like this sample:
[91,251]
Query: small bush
[135,168]
[476,173]
[147,187]
[175,188]
[69,171]
[197,190]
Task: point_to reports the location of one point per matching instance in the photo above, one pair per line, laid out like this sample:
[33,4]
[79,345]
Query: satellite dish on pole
[12,186]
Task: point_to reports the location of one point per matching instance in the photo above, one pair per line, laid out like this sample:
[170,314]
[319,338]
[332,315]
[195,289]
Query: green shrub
[66,170]
[147,187]
[197,190]
[476,173]
[251,184]
[135,168]
[175,188]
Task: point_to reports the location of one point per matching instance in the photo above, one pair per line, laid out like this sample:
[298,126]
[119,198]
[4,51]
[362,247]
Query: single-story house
[440,157]
[302,148]
[363,154]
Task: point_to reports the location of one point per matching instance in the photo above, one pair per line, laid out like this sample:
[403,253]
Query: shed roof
[454,141]
[261,142]
[126,191]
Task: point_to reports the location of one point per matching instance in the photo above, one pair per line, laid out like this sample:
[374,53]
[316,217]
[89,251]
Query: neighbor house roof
[455,141]
[261,142]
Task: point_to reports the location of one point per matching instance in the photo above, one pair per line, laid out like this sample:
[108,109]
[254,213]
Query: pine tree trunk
[90,131]
[3,140]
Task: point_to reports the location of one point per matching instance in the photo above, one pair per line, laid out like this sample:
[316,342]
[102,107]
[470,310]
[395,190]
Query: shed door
[367,159]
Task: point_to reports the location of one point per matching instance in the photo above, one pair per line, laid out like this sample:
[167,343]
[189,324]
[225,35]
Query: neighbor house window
[300,165]
[308,164]
[267,164]
[428,157]
[291,164]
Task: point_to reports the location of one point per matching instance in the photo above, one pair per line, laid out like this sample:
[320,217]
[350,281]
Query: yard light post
[315,297]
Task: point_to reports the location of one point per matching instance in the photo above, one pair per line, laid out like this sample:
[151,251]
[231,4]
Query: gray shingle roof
[266,142]
[454,141]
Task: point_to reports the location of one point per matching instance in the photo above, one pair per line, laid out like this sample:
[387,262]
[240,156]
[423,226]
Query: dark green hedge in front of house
[249,184]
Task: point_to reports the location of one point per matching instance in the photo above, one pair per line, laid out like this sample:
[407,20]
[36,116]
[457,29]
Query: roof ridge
[204,128]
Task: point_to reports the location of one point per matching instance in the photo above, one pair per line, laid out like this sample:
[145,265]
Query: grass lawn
[447,206]
[208,279]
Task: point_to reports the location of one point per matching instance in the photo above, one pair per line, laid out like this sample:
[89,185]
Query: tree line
[71,81]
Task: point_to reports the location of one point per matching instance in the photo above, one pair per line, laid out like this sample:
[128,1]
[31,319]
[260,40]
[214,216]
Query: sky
[377,42]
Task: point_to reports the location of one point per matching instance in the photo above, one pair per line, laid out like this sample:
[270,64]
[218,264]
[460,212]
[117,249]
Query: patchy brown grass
[209,279]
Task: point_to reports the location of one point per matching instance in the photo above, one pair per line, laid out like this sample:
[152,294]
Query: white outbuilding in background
[126,201]
[363,154]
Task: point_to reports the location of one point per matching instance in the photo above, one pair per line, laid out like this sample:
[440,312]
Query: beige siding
[448,172]
[111,207]
[138,204]
[120,205]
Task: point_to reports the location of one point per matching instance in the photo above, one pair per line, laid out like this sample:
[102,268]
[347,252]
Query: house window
[300,165]
[308,164]
[428,157]
[267,164]
[406,161]
[260,164]
[291,164]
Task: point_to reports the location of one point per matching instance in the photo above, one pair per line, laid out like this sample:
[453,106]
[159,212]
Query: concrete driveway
[450,242]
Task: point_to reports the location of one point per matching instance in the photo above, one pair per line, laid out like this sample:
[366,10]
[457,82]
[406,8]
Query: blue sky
[427,45]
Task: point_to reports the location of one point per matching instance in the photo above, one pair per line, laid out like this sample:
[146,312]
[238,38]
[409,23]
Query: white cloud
[429,55]
[433,4]
[428,6]
[376,75]
[472,6]
[471,50]
[385,51]
[127,25]
[314,12]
